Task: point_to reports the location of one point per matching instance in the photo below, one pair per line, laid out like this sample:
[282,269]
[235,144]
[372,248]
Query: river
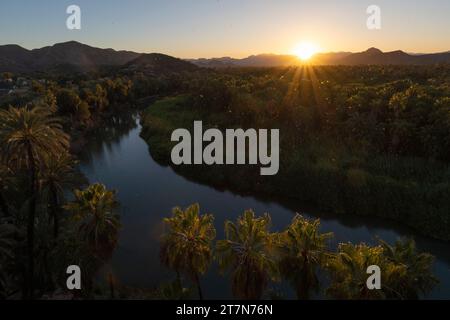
[119,158]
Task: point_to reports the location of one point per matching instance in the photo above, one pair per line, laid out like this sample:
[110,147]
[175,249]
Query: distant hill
[376,56]
[73,55]
[370,56]
[14,58]
[156,63]
[77,57]
[329,58]
[261,60]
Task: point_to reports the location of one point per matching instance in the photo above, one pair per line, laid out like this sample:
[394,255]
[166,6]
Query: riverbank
[80,136]
[412,191]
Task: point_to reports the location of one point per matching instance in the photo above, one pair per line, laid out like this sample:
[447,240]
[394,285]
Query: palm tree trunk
[31,220]
[303,287]
[54,211]
[178,278]
[197,282]
[3,204]
[111,286]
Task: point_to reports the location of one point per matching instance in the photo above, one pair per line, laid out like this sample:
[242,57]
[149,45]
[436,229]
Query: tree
[97,99]
[94,208]
[348,269]
[68,101]
[57,175]
[409,273]
[37,87]
[26,138]
[246,252]
[49,100]
[405,273]
[303,249]
[101,95]
[186,247]
[82,112]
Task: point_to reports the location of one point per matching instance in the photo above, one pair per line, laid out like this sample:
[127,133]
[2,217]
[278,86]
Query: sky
[237,28]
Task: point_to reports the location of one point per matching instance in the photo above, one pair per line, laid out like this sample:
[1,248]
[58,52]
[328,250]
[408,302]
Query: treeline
[366,140]
[83,99]
[253,257]
[401,111]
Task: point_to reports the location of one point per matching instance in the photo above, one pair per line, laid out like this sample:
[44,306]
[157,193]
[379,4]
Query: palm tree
[409,273]
[26,137]
[302,251]
[348,269]
[57,175]
[246,252]
[186,247]
[95,210]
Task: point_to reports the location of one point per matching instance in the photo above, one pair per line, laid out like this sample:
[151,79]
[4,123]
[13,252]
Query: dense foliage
[358,140]
[255,258]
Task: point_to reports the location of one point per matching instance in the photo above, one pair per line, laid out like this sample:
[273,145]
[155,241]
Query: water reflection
[119,158]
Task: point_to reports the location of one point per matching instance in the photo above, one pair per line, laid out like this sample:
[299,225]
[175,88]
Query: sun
[305,50]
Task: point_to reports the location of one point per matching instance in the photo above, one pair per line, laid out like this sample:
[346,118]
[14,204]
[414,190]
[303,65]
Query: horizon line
[219,57]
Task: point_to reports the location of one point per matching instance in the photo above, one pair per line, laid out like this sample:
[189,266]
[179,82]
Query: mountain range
[372,56]
[75,56]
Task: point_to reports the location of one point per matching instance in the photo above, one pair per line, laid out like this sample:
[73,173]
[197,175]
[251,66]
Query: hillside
[76,56]
[155,63]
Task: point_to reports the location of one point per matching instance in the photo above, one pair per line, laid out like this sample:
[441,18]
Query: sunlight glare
[305,50]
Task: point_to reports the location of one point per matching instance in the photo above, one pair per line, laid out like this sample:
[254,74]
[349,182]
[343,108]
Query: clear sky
[238,28]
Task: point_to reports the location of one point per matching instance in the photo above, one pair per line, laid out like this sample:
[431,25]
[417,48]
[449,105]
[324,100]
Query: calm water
[117,157]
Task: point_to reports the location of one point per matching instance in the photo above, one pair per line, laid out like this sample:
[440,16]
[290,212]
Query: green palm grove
[35,157]
[44,227]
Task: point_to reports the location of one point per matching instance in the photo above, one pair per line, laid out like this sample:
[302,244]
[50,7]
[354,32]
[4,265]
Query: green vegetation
[406,273]
[246,252]
[356,140]
[94,209]
[303,249]
[27,136]
[187,246]
[367,140]
[39,223]
[256,257]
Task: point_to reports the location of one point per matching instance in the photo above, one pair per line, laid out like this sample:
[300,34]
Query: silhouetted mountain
[155,63]
[328,58]
[376,56]
[74,55]
[14,58]
[261,60]
[77,57]
[370,56]
[268,59]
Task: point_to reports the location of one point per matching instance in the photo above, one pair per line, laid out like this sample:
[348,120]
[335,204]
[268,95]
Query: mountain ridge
[79,56]
[371,56]
[76,56]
